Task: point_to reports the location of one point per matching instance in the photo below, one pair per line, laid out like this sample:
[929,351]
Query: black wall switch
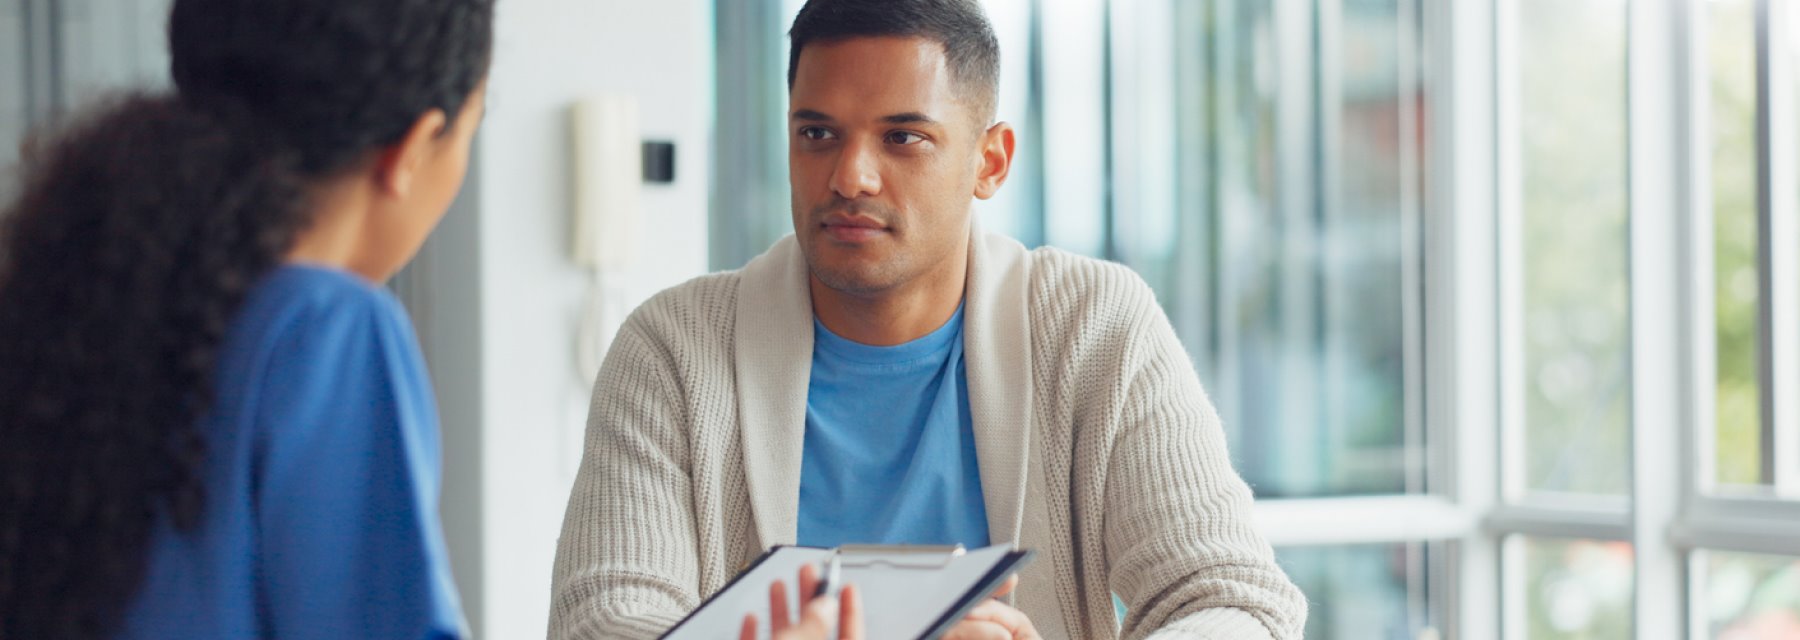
[659,162]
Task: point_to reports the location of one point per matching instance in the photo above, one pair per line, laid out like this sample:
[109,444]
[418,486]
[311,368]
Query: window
[1362,592]
[1293,272]
[1500,300]
[57,55]
[15,88]
[1747,595]
[1565,284]
[1731,67]
[1571,589]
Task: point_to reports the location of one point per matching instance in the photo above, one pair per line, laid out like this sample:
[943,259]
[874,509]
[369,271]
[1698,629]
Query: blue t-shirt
[890,448]
[321,480]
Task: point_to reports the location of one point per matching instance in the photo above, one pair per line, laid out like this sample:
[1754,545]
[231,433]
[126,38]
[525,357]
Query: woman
[214,423]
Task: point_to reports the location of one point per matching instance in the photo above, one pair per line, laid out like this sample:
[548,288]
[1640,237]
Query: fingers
[815,621]
[1012,582]
[851,612]
[747,631]
[977,630]
[809,583]
[1012,620]
[778,606]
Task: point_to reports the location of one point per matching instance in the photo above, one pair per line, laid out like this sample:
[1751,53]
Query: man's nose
[857,173]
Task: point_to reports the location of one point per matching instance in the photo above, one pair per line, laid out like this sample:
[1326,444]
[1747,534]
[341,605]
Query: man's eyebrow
[911,117]
[811,116]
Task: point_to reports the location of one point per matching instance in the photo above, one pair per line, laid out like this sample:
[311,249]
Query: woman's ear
[997,146]
[399,165]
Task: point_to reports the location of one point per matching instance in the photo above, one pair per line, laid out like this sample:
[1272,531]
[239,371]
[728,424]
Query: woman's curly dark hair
[139,232]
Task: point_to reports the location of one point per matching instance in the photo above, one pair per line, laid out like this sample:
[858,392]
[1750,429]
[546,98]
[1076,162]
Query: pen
[828,583]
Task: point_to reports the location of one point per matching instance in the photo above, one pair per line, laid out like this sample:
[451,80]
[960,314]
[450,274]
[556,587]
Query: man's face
[884,156]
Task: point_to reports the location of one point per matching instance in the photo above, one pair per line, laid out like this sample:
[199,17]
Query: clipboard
[908,592]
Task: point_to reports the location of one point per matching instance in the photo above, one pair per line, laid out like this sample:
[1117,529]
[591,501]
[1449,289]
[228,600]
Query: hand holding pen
[820,608]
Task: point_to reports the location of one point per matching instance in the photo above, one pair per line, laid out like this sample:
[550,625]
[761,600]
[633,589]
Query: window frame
[1471,435]
[1670,516]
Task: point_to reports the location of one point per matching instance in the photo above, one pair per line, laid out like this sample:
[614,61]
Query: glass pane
[1074,124]
[13,90]
[1577,384]
[1289,279]
[110,45]
[1571,589]
[1731,49]
[1791,182]
[1015,210]
[1361,592]
[1371,194]
[1749,596]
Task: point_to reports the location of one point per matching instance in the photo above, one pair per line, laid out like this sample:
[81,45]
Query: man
[891,374]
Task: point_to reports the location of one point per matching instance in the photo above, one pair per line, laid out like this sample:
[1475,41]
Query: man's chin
[856,280]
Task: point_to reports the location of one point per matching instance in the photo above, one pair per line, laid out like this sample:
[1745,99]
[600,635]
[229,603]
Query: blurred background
[1499,299]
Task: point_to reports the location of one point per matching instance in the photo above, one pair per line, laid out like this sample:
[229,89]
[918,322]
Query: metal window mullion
[1230,162]
[1700,429]
[1698,624]
[1074,104]
[1656,91]
[1124,209]
[40,61]
[1461,279]
[1602,519]
[1697,431]
[1778,252]
[1323,221]
[748,49]
[1111,154]
[1509,229]
[1037,221]
[1412,263]
[1196,185]
[1515,583]
[1362,520]
[1748,525]
[1296,161]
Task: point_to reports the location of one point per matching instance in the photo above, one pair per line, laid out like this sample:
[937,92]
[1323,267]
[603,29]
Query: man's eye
[815,133]
[904,138]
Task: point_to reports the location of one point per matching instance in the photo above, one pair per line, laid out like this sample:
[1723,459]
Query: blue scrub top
[322,480]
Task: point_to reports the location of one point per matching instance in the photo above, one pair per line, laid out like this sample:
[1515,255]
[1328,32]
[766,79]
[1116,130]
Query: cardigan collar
[774,342]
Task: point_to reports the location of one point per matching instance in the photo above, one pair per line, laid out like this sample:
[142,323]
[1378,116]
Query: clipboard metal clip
[898,556]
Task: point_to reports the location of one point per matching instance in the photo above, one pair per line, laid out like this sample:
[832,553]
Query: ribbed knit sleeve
[627,563]
[1183,553]
[1158,515]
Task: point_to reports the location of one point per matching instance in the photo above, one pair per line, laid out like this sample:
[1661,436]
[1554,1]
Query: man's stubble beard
[858,280]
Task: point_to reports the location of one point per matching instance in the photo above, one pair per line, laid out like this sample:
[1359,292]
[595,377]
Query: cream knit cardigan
[1096,444]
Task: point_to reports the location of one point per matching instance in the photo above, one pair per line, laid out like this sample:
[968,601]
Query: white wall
[533,401]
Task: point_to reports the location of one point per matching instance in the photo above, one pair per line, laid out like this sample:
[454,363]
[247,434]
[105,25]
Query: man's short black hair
[970,48]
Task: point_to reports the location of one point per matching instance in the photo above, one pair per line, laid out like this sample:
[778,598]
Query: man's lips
[844,228]
[856,222]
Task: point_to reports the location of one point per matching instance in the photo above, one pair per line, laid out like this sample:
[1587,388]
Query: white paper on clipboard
[902,596]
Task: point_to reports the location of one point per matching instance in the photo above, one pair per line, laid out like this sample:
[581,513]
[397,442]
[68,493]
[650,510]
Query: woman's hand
[817,615]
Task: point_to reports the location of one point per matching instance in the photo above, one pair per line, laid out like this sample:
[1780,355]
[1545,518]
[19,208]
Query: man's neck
[893,317]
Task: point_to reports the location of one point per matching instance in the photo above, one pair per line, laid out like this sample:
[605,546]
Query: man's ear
[398,166]
[997,147]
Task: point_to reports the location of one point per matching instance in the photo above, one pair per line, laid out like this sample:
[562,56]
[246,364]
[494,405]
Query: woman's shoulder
[298,288]
[305,327]
[307,303]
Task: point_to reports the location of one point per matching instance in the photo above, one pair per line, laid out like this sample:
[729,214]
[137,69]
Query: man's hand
[817,615]
[994,620]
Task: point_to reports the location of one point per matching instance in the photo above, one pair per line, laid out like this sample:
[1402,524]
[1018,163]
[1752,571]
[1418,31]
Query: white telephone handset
[608,187]
[608,182]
